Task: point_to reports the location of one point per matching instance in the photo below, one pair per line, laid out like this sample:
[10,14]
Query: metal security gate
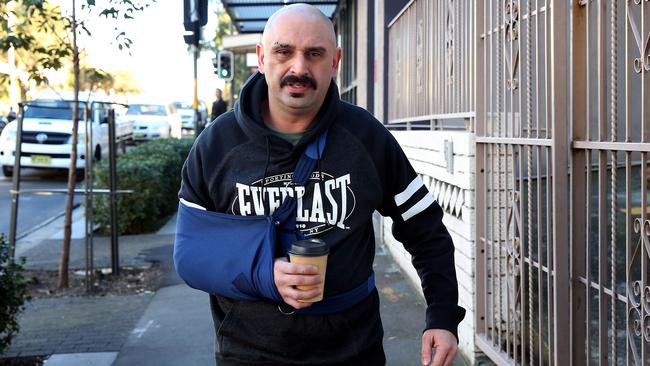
[563,248]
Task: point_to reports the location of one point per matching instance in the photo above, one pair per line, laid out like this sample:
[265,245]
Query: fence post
[115,256]
[560,151]
[479,254]
[15,182]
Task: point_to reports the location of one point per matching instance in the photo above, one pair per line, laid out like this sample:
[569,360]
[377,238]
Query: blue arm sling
[233,256]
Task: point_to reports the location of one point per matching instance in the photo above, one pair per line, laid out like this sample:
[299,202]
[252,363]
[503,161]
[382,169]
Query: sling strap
[288,233]
[285,215]
[233,256]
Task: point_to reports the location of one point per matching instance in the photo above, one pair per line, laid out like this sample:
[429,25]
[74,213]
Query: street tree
[20,20]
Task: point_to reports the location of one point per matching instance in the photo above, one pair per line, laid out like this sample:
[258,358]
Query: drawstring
[320,176]
[320,172]
[266,170]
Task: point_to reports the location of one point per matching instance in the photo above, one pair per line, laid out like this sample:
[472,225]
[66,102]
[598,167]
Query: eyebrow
[285,46]
[315,49]
[278,46]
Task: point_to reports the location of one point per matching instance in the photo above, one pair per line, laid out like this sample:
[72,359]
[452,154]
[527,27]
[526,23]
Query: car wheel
[8,171]
[98,154]
[80,175]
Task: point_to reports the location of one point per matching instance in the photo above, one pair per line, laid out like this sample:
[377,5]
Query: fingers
[451,355]
[427,343]
[439,356]
[288,276]
[438,347]
[282,265]
[444,356]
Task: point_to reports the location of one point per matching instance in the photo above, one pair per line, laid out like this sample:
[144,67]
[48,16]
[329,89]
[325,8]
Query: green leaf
[110,12]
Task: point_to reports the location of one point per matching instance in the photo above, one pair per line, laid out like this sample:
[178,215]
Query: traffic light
[195,15]
[225,64]
[195,11]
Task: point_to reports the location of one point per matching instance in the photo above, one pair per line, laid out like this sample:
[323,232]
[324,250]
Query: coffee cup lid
[313,247]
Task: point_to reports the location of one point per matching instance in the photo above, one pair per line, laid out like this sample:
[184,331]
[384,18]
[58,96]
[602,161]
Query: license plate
[41,159]
[138,134]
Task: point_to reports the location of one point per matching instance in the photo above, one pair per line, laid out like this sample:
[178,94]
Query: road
[32,210]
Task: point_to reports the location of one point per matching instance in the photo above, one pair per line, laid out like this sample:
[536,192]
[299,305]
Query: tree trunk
[72,171]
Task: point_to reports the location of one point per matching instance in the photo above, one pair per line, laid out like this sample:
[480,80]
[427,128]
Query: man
[242,165]
[219,106]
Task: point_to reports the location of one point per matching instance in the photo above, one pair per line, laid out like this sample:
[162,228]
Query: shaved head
[305,12]
[299,58]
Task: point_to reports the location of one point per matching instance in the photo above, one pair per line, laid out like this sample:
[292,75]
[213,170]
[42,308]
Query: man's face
[218,94]
[299,59]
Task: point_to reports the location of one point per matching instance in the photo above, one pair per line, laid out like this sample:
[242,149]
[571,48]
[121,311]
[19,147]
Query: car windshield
[52,110]
[146,109]
[181,105]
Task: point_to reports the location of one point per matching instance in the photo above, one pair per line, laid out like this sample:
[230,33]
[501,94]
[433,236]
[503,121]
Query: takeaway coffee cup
[311,251]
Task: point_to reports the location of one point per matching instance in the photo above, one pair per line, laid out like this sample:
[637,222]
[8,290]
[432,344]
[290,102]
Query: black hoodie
[362,169]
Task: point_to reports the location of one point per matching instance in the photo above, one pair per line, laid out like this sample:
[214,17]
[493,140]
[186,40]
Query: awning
[250,16]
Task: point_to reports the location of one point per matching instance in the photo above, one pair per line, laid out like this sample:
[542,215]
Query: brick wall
[451,180]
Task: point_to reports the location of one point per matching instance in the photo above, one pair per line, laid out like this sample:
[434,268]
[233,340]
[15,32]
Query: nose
[299,65]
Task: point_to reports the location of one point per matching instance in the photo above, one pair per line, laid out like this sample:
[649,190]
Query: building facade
[529,121]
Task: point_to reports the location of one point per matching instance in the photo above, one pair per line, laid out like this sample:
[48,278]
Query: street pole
[196,97]
[14,86]
[195,15]
[112,171]
[15,182]
[232,80]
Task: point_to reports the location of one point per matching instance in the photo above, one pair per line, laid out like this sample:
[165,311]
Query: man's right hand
[289,275]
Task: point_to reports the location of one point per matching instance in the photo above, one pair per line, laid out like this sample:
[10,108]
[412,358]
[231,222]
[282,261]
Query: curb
[45,223]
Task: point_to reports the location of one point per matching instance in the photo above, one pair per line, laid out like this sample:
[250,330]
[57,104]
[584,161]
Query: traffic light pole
[195,15]
[196,99]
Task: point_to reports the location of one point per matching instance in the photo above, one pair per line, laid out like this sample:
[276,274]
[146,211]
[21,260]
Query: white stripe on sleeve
[193,205]
[409,191]
[425,202]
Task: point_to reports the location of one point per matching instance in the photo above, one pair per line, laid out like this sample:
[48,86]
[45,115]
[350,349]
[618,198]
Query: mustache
[292,79]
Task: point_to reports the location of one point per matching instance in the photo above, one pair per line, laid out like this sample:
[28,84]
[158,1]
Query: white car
[47,135]
[186,113]
[153,121]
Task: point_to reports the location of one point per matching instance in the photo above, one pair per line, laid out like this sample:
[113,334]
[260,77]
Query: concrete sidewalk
[172,326]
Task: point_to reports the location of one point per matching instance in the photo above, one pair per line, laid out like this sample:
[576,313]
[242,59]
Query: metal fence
[431,53]
[522,255]
[562,182]
[562,109]
[611,292]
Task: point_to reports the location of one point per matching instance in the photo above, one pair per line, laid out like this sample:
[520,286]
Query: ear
[259,49]
[336,61]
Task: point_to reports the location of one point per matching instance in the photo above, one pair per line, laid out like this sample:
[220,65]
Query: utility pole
[195,16]
[14,87]
[195,49]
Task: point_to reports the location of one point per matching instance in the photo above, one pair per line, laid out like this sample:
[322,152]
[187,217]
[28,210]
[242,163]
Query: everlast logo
[330,204]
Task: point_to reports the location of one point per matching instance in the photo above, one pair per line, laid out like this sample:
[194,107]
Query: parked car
[47,135]
[153,121]
[186,113]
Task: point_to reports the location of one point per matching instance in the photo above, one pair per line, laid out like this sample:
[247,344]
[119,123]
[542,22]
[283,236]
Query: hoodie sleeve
[194,187]
[417,224]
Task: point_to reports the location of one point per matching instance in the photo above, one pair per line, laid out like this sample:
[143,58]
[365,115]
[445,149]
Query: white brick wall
[425,150]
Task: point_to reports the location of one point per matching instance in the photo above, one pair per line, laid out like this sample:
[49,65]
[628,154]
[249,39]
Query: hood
[143,119]
[249,118]
[186,112]
[50,125]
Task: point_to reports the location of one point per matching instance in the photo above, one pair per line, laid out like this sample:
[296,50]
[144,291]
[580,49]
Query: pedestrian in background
[219,106]
[243,165]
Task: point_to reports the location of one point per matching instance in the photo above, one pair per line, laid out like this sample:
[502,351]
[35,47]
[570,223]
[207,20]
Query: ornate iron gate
[563,244]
